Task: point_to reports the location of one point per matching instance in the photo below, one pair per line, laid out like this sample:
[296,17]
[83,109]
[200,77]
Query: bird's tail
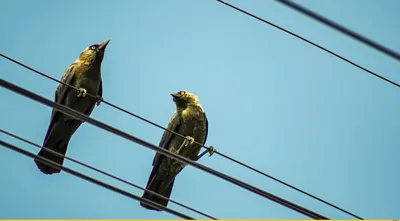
[55,143]
[158,183]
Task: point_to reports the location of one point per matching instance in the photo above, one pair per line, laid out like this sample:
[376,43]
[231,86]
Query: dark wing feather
[91,107]
[101,89]
[205,138]
[61,91]
[167,136]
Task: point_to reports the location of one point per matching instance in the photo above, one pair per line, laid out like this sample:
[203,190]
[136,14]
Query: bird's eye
[182,92]
[93,47]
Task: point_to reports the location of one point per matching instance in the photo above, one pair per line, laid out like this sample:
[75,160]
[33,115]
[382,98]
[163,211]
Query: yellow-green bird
[84,74]
[190,121]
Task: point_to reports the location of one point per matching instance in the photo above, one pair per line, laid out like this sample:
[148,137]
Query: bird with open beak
[84,74]
[190,121]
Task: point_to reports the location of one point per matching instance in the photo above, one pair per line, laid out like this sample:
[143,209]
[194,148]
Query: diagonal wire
[102,172]
[82,117]
[311,43]
[175,133]
[91,179]
[341,28]
[223,155]
[330,52]
[97,97]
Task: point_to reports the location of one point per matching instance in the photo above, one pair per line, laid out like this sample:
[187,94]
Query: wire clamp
[211,150]
[98,100]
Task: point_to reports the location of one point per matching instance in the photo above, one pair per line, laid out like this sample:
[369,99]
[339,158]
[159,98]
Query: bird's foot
[189,140]
[82,92]
[211,150]
[99,100]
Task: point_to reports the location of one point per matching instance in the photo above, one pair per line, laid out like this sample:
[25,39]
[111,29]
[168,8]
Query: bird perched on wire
[85,75]
[190,121]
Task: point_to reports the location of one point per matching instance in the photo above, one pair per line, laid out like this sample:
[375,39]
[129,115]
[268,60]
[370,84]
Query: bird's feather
[59,97]
[167,136]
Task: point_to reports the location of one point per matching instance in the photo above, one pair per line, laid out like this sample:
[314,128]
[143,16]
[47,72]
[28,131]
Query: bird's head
[94,53]
[183,98]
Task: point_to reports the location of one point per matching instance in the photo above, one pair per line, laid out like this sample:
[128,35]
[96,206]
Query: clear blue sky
[272,101]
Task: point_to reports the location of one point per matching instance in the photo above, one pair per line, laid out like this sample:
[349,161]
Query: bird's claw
[189,140]
[99,100]
[211,150]
[82,92]
[186,142]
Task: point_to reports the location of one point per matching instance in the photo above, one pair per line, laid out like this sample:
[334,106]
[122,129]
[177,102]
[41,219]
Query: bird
[85,75]
[189,120]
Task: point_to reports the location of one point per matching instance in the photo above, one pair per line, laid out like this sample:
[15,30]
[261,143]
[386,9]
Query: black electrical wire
[92,180]
[340,28]
[103,172]
[311,43]
[175,133]
[102,100]
[221,154]
[79,116]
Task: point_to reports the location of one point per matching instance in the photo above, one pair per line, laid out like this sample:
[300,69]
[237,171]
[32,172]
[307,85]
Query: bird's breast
[90,83]
[193,124]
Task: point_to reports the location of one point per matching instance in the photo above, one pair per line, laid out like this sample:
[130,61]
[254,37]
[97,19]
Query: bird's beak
[103,45]
[175,96]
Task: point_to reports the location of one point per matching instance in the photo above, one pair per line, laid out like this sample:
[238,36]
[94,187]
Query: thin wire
[375,45]
[102,172]
[311,43]
[299,190]
[43,74]
[104,101]
[330,52]
[341,28]
[92,180]
[82,117]
[175,133]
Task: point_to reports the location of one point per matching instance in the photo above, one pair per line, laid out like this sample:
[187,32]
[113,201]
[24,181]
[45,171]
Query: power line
[301,191]
[45,75]
[79,116]
[175,133]
[311,43]
[92,180]
[223,155]
[341,28]
[102,100]
[103,172]
[330,52]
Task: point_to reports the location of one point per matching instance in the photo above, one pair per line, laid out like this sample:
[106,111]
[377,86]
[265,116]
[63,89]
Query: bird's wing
[205,138]
[167,136]
[101,89]
[91,107]
[67,78]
